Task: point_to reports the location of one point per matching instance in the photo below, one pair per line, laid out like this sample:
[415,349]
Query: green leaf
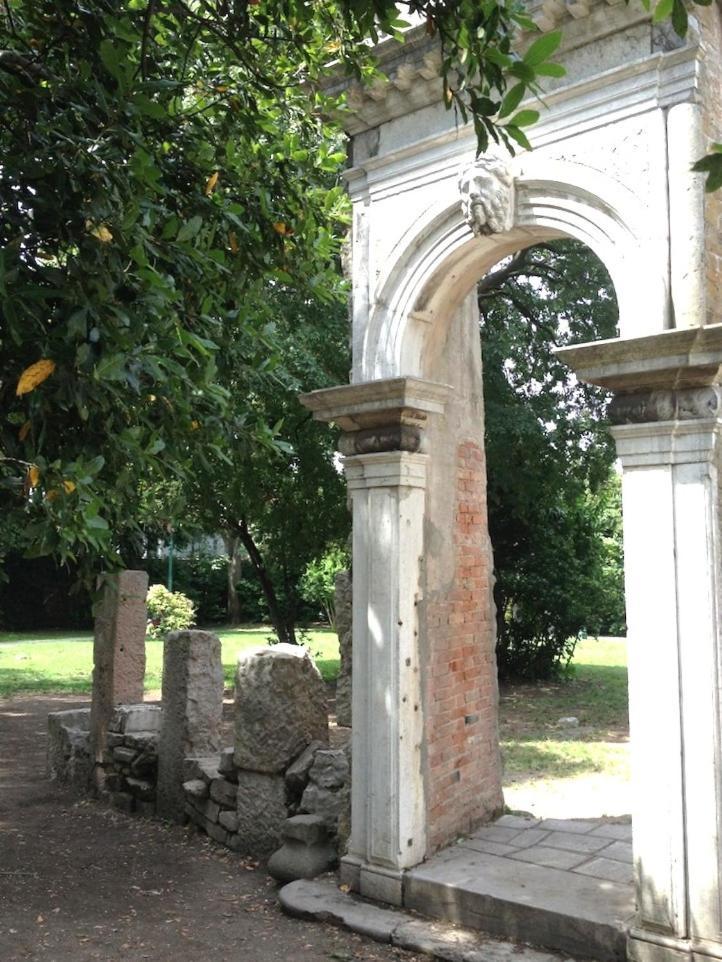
[543,48]
[524,118]
[189,230]
[680,20]
[662,10]
[512,99]
[551,70]
[518,135]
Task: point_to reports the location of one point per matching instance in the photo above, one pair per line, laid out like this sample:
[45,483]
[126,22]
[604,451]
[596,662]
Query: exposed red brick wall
[710,24]
[461,686]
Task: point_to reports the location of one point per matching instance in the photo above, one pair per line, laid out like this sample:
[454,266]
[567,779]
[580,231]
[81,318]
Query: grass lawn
[62,661]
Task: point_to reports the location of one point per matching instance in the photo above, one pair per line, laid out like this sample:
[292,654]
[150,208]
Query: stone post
[386,473]
[118,650]
[668,428]
[192,710]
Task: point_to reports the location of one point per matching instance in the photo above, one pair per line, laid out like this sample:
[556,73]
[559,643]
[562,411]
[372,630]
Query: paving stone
[550,857]
[322,902]
[532,836]
[491,848]
[620,852]
[575,843]
[608,869]
[618,830]
[495,833]
[517,821]
[576,825]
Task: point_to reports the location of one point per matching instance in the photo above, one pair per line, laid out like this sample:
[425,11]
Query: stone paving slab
[322,901]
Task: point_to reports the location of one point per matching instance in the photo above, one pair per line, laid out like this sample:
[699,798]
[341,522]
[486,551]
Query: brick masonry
[461,697]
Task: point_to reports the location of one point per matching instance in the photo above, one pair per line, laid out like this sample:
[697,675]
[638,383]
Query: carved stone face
[485,190]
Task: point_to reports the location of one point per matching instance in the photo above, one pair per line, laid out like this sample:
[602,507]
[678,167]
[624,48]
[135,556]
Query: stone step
[560,910]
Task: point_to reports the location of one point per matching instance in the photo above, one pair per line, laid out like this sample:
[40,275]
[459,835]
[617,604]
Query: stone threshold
[321,900]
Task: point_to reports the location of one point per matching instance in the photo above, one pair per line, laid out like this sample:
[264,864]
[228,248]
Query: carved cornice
[693,404]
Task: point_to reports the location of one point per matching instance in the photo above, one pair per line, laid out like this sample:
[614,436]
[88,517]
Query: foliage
[168,611]
[318,580]
[551,498]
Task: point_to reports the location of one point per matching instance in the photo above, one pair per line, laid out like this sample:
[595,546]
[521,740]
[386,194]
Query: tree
[551,487]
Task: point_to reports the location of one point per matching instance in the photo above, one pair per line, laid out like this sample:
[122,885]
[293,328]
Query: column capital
[379,416]
[385,469]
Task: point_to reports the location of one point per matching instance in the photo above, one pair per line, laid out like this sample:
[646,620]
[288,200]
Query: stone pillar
[668,428]
[386,472]
[118,650]
[192,710]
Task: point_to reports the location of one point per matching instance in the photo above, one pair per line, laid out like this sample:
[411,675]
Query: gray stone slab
[577,825]
[532,836]
[517,821]
[575,843]
[491,848]
[323,902]
[615,830]
[558,910]
[495,833]
[607,869]
[619,851]
[452,944]
[550,857]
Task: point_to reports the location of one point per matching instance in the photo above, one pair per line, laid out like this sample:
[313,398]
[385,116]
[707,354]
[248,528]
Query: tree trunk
[233,602]
[284,630]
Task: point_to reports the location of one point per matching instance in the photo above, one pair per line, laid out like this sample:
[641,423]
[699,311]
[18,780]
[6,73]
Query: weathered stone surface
[229,821]
[329,769]
[224,792]
[323,902]
[205,809]
[145,764]
[308,829]
[192,707]
[118,649]
[144,809]
[196,788]
[139,720]
[203,767]
[343,605]
[141,788]
[226,765]
[68,751]
[123,756]
[296,860]
[280,707]
[324,803]
[123,801]
[261,811]
[297,772]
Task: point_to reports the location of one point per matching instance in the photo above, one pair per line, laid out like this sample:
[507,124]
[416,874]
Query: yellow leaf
[195,425]
[211,183]
[280,228]
[233,241]
[33,476]
[101,232]
[345,888]
[34,375]
[69,486]
[24,430]
[52,494]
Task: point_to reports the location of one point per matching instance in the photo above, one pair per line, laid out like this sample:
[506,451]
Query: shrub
[168,611]
[317,583]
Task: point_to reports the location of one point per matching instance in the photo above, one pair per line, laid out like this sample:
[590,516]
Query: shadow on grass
[562,759]
[14,681]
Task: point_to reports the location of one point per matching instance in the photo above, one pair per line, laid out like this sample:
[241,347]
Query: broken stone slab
[145,764]
[280,707]
[297,772]
[141,788]
[325,803]
[205,808]
[224,792]
[192,709]
[68,747]
[306,851]
[142,741]
[261,809]
[322,901]
[114,740]
[130,719]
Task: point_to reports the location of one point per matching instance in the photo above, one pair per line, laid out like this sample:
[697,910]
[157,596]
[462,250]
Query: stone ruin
[279,785]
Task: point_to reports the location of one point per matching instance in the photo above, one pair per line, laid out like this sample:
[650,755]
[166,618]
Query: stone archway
[611,168]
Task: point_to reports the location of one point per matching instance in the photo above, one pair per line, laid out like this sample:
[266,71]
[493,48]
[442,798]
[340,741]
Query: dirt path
[79,881]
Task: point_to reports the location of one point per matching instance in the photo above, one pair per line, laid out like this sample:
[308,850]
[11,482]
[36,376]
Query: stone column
[118,650]
[668,429]
[192,710]
[386,471]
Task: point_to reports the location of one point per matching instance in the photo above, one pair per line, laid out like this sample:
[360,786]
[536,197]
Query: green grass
[62,661]
[593,690]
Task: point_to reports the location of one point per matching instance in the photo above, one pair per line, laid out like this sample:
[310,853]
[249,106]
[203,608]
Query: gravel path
[79,881]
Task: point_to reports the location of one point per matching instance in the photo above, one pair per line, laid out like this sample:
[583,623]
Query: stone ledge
[322,901]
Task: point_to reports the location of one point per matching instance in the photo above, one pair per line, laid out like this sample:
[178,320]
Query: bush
[318,580]
[168,611]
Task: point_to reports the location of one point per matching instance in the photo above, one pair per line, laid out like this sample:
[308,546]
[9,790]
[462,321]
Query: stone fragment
[280,707]
[224,792]
[324,803]
[124,756]
[323,902]
[329,769]
[114,740]
[216,832]
[141,788]
[261,811]
[142,741]
[203,767]
[196,788]
[145,764]
[229,821]
[206,809]
[306,851]
[297,772]
[192,707]
[68,752]
[343,605]
[226,765]
[136,719]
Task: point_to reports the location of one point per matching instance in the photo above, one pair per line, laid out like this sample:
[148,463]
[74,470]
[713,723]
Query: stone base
[644,946]
[372,881]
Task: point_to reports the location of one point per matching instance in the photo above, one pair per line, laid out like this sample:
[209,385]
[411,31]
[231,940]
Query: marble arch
[610,166]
